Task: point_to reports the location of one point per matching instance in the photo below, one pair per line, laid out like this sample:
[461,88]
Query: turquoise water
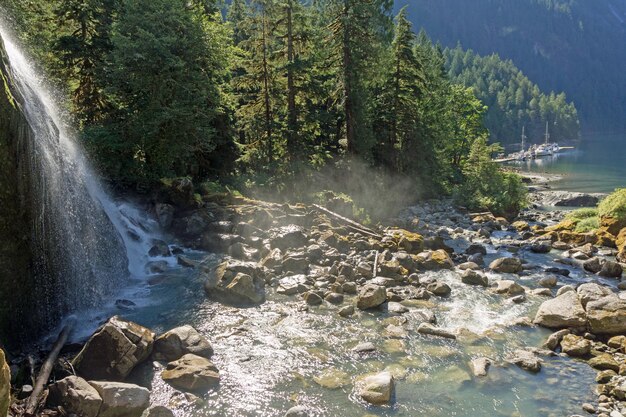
[597,165]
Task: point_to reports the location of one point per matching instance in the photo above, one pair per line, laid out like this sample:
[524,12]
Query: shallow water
[275,356]
[598,165]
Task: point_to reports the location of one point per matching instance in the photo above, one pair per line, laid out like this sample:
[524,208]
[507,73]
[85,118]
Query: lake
[597,165]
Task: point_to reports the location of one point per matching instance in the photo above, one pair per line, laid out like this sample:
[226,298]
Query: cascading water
[83,245]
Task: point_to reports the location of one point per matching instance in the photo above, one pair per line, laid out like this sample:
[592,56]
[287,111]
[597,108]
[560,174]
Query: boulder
[114,351]
[409,241]
[612,225]
[592,292]
[476,248]
[577,200]
[509,288]
[371,296]
[440,289]
[235,282]
[603,362]
[471,277]
[158,411]
[541,247]
[5,385]
[506,265]
[377,389]
[121,400]
[191,373]
[76,396]
[525,360]
[611,269]
[607,316]
[575,345]
[288,237]
[435,260]
[177,342]
[548,282]
[564,311]
[480,366]
[554,340]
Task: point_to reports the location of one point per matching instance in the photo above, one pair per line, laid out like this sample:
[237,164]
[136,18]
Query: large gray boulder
[607,316]
[5,385]
[121,400]
[564,311]
[114,351]
[76,396]
[177,342]
[371,296]
[191,373]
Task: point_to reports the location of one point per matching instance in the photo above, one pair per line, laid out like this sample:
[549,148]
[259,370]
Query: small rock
[76,396]
[471,277]
[526,360]
[371,296]
[377,389]
[575,345]
[429,329]
[506,265]
[480,366]
[177,342]
[121,400]
[297,411]
[346,311]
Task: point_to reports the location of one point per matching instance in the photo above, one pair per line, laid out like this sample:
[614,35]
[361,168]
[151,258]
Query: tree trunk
[266,93]
[347,81]
[292,117]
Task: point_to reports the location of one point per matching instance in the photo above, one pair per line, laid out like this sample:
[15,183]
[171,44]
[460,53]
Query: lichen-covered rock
[5,385]
[434,261]
[191,373]
[562,312]
[506,265]
[607,315]
[114,350]
[377,389]
[177,342]
[120,399]
[76,396]
[409,241]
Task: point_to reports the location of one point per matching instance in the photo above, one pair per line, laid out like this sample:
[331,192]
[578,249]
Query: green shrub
[614,205]
[588,224]
[486,187]
[582,214]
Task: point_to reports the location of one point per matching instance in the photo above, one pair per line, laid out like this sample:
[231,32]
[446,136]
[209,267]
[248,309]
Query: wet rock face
[114,351]
[5,385]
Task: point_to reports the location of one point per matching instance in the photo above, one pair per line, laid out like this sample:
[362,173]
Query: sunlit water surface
[275,356]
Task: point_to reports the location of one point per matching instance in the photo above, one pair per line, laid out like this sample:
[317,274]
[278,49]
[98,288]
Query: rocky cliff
[15,254]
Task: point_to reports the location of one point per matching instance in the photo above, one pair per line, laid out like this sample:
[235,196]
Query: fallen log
[349,223]
[44,373]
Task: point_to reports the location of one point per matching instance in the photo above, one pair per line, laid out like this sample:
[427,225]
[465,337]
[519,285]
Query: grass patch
[614,205]
[582,214]
[588,224]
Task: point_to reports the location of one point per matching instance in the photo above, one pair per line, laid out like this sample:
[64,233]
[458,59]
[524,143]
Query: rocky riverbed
[298,311]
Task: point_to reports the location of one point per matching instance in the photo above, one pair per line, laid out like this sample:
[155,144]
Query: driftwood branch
[375,272]
[350,223]
[44,373]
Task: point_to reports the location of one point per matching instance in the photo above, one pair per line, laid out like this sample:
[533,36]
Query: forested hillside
[575,46]
[265,95]
[513,101]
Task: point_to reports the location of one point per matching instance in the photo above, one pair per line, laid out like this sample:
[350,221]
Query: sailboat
[547,149]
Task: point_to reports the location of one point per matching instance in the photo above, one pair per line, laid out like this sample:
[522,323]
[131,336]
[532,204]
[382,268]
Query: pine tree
[358,29]
[84,50]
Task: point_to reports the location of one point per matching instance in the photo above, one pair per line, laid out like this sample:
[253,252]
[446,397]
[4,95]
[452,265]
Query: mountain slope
[575,46]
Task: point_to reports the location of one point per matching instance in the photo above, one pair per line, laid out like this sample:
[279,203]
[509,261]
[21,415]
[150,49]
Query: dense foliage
[614,205]
[513,100]
[575,46]
[268,95]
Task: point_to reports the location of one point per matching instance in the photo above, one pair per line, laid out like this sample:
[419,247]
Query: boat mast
[547,133]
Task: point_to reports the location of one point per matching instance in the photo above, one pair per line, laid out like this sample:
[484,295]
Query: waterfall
[84,245]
